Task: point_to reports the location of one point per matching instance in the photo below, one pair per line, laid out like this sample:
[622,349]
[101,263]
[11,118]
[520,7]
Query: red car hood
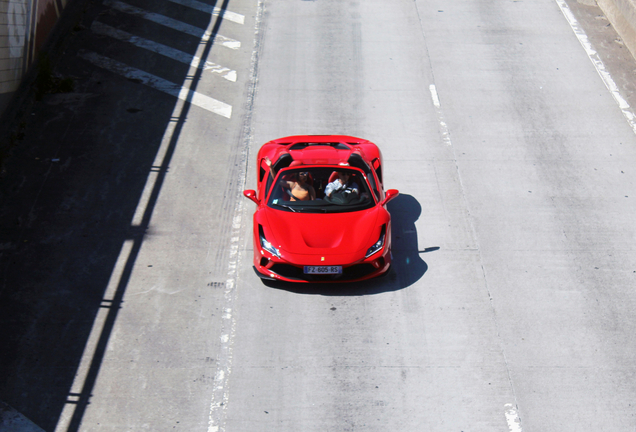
[322,233]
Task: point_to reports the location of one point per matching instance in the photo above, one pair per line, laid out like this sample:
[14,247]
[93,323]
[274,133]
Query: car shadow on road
[408,266]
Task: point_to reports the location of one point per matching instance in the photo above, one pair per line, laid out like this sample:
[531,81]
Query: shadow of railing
[63,225]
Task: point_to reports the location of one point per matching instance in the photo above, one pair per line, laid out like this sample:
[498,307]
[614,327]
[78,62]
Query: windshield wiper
[286,206]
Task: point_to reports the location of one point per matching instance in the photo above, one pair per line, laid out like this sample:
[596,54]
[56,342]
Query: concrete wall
[622,15]
[24,26]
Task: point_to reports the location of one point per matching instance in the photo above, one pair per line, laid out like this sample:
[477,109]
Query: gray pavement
[128,297]
[116,181]
[522,317]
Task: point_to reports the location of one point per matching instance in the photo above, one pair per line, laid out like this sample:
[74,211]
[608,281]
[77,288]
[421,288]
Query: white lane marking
[514,422]
[440,115]
[195,98]
[434,96]
[175,54]
[598,64]
[205,35]
[215,11]
[230,16]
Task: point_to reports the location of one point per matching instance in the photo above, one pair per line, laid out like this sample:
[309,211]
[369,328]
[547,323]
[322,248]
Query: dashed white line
[440,115]
[175,54]
[514,422]
[598,64]
[165,21]
[193,97]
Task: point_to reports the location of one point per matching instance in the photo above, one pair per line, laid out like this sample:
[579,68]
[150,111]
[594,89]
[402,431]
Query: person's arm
[329,189]
[268,162]
[333,186]
[284,183]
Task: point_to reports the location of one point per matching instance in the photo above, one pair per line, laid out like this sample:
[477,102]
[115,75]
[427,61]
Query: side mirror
[390,194]
[251,194]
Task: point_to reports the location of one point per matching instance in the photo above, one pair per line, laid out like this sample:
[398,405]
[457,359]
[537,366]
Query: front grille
[358,271]
[348,273]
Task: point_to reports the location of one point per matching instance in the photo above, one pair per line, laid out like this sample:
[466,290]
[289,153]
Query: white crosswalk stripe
[106,30]
[144,77]
[204,35]
[215,11]
[195,98]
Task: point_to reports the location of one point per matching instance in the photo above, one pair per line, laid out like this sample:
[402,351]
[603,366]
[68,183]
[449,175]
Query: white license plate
[323,269]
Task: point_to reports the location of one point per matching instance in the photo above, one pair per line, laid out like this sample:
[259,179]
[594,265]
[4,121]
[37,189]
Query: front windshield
[320,190]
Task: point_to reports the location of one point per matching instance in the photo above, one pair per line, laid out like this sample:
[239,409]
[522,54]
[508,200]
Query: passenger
[298,188]
[295,185]
[342,183]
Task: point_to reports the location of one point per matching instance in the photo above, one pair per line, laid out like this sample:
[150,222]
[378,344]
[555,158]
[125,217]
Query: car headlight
[378,245]
[267,245]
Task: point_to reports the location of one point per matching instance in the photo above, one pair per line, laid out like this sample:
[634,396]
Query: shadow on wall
[408,267]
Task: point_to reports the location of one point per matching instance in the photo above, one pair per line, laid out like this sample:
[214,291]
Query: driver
[343,183]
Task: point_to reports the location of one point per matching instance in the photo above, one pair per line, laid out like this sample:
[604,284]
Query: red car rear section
[322,240]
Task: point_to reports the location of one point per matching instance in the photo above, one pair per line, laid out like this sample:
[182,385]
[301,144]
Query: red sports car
[321,213]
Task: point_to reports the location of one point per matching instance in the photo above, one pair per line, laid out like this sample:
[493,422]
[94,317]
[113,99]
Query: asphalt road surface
[128,297]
